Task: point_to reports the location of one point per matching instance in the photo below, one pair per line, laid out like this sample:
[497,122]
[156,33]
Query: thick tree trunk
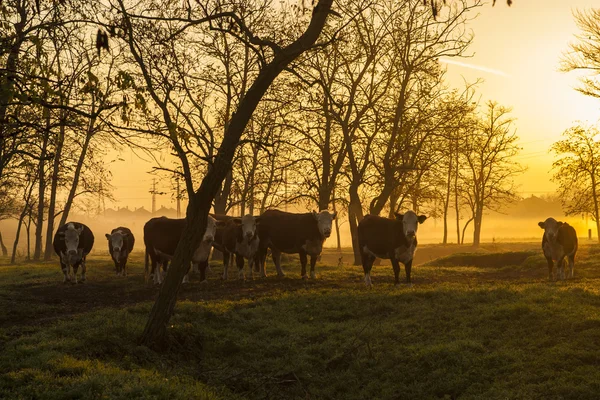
[77,175]
[53,189]
[477,226]
[355,215]
[200,204]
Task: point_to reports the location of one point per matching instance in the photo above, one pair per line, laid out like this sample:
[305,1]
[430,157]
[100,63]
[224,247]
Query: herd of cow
[249,237]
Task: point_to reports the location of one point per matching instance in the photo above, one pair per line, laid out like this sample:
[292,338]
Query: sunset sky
[516,51]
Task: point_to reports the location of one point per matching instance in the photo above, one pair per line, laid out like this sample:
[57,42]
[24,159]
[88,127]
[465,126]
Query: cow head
[71,235]
[324,220]
[550,227]
[248,223]
[116,239]
[211,229]
[410,223]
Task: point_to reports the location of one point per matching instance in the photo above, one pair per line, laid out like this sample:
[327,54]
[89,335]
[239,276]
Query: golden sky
[516,51]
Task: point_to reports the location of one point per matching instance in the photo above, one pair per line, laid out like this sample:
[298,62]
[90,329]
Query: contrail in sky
[472,66]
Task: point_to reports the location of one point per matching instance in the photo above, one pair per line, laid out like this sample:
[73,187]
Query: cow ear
[314,214]
[221,223]
[257,220]
[399,216]
[334,215]
[421,218]
[61,234]
[542,225]
[237,221]
[560,224]
[107,236]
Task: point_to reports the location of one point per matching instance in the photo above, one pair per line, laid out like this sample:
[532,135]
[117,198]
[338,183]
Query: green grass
[494,330]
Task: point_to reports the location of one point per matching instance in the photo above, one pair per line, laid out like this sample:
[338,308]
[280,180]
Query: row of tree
[365,124]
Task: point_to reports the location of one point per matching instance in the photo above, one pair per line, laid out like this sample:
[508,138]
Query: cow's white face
[249,223]
[324,220]
[116,242]
[72,239]
[410,223]
[550,227]
[211,229]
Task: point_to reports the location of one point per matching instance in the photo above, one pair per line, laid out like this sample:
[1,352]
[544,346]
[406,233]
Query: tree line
[346,100]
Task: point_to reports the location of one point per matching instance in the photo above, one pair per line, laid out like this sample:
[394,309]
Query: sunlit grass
[460,331]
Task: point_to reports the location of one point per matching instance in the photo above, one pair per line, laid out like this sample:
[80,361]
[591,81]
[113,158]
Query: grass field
[470,327]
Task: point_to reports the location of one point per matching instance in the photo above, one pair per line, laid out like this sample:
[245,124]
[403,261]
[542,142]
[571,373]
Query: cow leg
[408,268]
[239,260]
[251,266]
[202,267]
[560,268]
[571,259]
[550,268]
[277,261]
[261,260]
[303,264]
[186,277]
[83,270]
[156,268]
[75,267]
[396,266]
[367,262]
[65,270]
[226,256]
[313,262]
[124,268]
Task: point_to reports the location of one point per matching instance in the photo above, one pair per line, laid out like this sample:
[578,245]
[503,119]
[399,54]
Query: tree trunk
[53,189]
[37,253]
[477,226]
[462,241]
[13,257]
[4,249]
[355,215]
[80,161]
[447,201]
[197,212]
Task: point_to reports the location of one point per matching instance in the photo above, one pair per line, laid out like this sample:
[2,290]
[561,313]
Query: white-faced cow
[302,234]
[161,237]
[73,242]
[559,241]
[239,238]
[393,239]
[120,244]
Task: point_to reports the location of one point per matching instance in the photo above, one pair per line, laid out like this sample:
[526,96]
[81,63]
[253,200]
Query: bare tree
[584,54]
[577,171]
[489,155]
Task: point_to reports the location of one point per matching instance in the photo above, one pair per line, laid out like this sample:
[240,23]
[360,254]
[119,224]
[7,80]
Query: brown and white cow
[161,237]
[239,238]
[393,239]
[302,234]
[559,241]
[120,244]
[72,242]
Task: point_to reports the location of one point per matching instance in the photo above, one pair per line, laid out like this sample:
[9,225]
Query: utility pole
[154,192]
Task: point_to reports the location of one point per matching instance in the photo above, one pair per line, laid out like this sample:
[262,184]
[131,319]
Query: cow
[393,239]
[559,241]
[120,244]
[161,237]
[73,242]
[238,238]
[302,234]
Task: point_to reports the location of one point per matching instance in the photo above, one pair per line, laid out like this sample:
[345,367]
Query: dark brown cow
[393,239]
[161,237]
[559,241]
[72,242]
[302,234]
[120,244]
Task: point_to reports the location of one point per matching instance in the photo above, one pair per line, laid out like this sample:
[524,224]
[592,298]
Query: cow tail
[146,276]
